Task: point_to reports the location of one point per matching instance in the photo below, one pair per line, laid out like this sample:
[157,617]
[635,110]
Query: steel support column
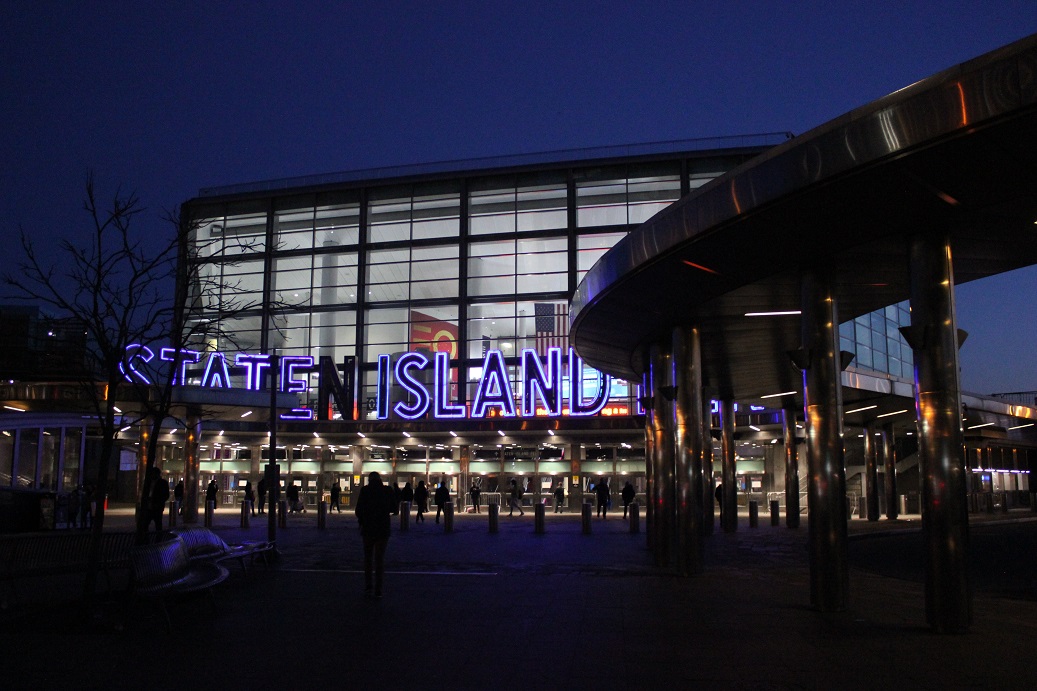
[646,402]
[822,402]
[945,521]
[871,472]
[192,466]
[788,424]
[708,488]
[662,395]
[687,411]
[889,461]
[729,496]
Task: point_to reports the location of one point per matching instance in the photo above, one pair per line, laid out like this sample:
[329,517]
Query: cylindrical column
[404,516]
[448,517]
[538,518]
[729,496]
[493,513]
[192,466]
[648,392]
[826,490]
[687,415]
[788,424]
[889,462]
[945,524]
[663,486]
[708,485]
[871,472]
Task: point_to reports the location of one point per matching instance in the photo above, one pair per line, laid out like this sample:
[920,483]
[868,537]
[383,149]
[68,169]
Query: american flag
[552,326]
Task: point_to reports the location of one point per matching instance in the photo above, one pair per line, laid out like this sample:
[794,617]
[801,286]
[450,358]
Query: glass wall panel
[239,334]
[403,329]
[292,337]
[400,213]
[491,268]
[542,265]
[71,455]
[337,222]
[517,203]
[335,278]
[293,229]
[290,281]
[336,334]
[49,459]
[388,274]
[625,195]
[512,327]
[590,248]
[6,457]
[28,450]
[241,284]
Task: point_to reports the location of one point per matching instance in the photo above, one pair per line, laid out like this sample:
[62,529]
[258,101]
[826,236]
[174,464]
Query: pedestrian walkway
[474,609]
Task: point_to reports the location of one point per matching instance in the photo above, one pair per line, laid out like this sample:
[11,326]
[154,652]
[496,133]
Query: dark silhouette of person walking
[516,500]
[442,497]
[250,497]
[421,499]
[156,492]
[474,493]
[336,497]
[559,497]
[602,490]
[262,494]
[210,493]
[628,496]
[373,509]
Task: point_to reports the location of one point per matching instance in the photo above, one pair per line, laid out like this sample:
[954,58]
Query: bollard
[635,518]
[775,513]
[754,513]
[210,506]
[404,516]
[1004,502]
[172,513]
[586,517]
[988,500]
[244,513]
[282,513]
[538,518]
[322,515]
[448,517]
[494,512]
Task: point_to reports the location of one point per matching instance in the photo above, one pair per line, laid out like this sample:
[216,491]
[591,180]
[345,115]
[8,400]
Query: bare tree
[124,291]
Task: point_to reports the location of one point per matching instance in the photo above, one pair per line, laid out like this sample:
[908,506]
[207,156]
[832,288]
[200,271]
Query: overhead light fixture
[361,435]
[857,410]
[551,432]
[895,412]
[316,435]
[453,434]
[783,393]
[17,410]
[501,432]
[407,434]
[754,428]
[246,413]
[221,432]
[778,313]
[985,424]
[1028,424]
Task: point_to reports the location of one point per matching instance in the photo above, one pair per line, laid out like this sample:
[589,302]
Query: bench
[205,545]
[164,568]
[32,555]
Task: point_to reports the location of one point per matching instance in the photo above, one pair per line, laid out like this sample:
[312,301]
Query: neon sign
[412,387]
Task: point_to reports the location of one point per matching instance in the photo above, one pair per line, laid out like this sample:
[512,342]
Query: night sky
[164,98]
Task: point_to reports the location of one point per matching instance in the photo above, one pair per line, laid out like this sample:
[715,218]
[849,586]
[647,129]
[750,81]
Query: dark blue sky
[166,98]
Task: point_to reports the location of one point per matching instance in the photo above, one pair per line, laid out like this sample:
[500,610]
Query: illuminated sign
[412,387]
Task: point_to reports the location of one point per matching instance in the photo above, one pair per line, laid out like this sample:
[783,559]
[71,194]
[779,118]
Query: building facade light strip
[858,410]
[782,313]
[1028,424]
[985,424]
[895,412]
[783,393]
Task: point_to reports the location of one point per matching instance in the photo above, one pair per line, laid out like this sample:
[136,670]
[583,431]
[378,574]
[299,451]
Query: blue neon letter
[494,387]
[548,385]
[443,407]
[414,387]
[577,407]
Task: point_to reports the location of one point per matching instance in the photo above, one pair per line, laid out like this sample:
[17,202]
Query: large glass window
[414,213]
[335,278]
[512,327]
[28,451]
[527,265]
[293,229]
[412,273]
[625,195]
[290,281]
[49,459]
[514,204]
[337,221]
[6,457]
[590,248]
[71,455]
[402,329]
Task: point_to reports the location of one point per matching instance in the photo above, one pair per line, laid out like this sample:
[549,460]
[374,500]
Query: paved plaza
[513,609]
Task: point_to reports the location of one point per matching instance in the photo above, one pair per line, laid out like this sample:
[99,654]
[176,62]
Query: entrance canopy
[955,154]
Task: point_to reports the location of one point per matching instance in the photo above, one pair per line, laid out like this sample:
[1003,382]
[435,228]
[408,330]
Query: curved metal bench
[164,568]
[203,545]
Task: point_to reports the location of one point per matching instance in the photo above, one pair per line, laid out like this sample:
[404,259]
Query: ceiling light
[783,313]
[246,413]
[316,435]
[783,393]
[501,432]
[1028,424]
[985,424]
[754,428]
[361,435]
[895,412]
[453,434]
[407,434]
[857,410]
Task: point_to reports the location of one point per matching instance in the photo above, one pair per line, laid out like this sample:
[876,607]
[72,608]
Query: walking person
[262,493]
[602,490]
[178,496]
[559,497]
[516,500]
[421,499]
[373,509]
[250,497]
[210,493]
[156,492]
[336,497]
[442,497]
[628,496]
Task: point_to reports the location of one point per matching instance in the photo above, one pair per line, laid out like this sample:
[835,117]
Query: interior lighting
[754,428]
[246,413]
[11,407]
[895,412]
[701,268]
[985,424]
[779,313]
[1028,424]
[361,435]
[221,432]
[407,434]
[316,435]
[783,393]
[453,434]
[857,410]
[501,432]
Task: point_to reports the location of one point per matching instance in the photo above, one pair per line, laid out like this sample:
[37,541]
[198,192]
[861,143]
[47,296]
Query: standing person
[602,490]
[210,493]
[373,508]
[178,496]
[156,492]
[421,499]
[559,497]
[628,496]
[516,500]
[262,493]
[407,493]
[336,496]
[442,497]
[75,499]
[250,497]
[474,492]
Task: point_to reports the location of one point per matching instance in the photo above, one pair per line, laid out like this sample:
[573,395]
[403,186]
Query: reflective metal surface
[848,195]
[729,497]
[871,472]
[945,519]
[826,489]
[662,457]
[788,424]
[688,439]
[889,460]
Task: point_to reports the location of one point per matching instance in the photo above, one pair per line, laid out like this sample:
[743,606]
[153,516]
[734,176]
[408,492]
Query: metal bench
[164,568]
[205,545]
[33,555]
